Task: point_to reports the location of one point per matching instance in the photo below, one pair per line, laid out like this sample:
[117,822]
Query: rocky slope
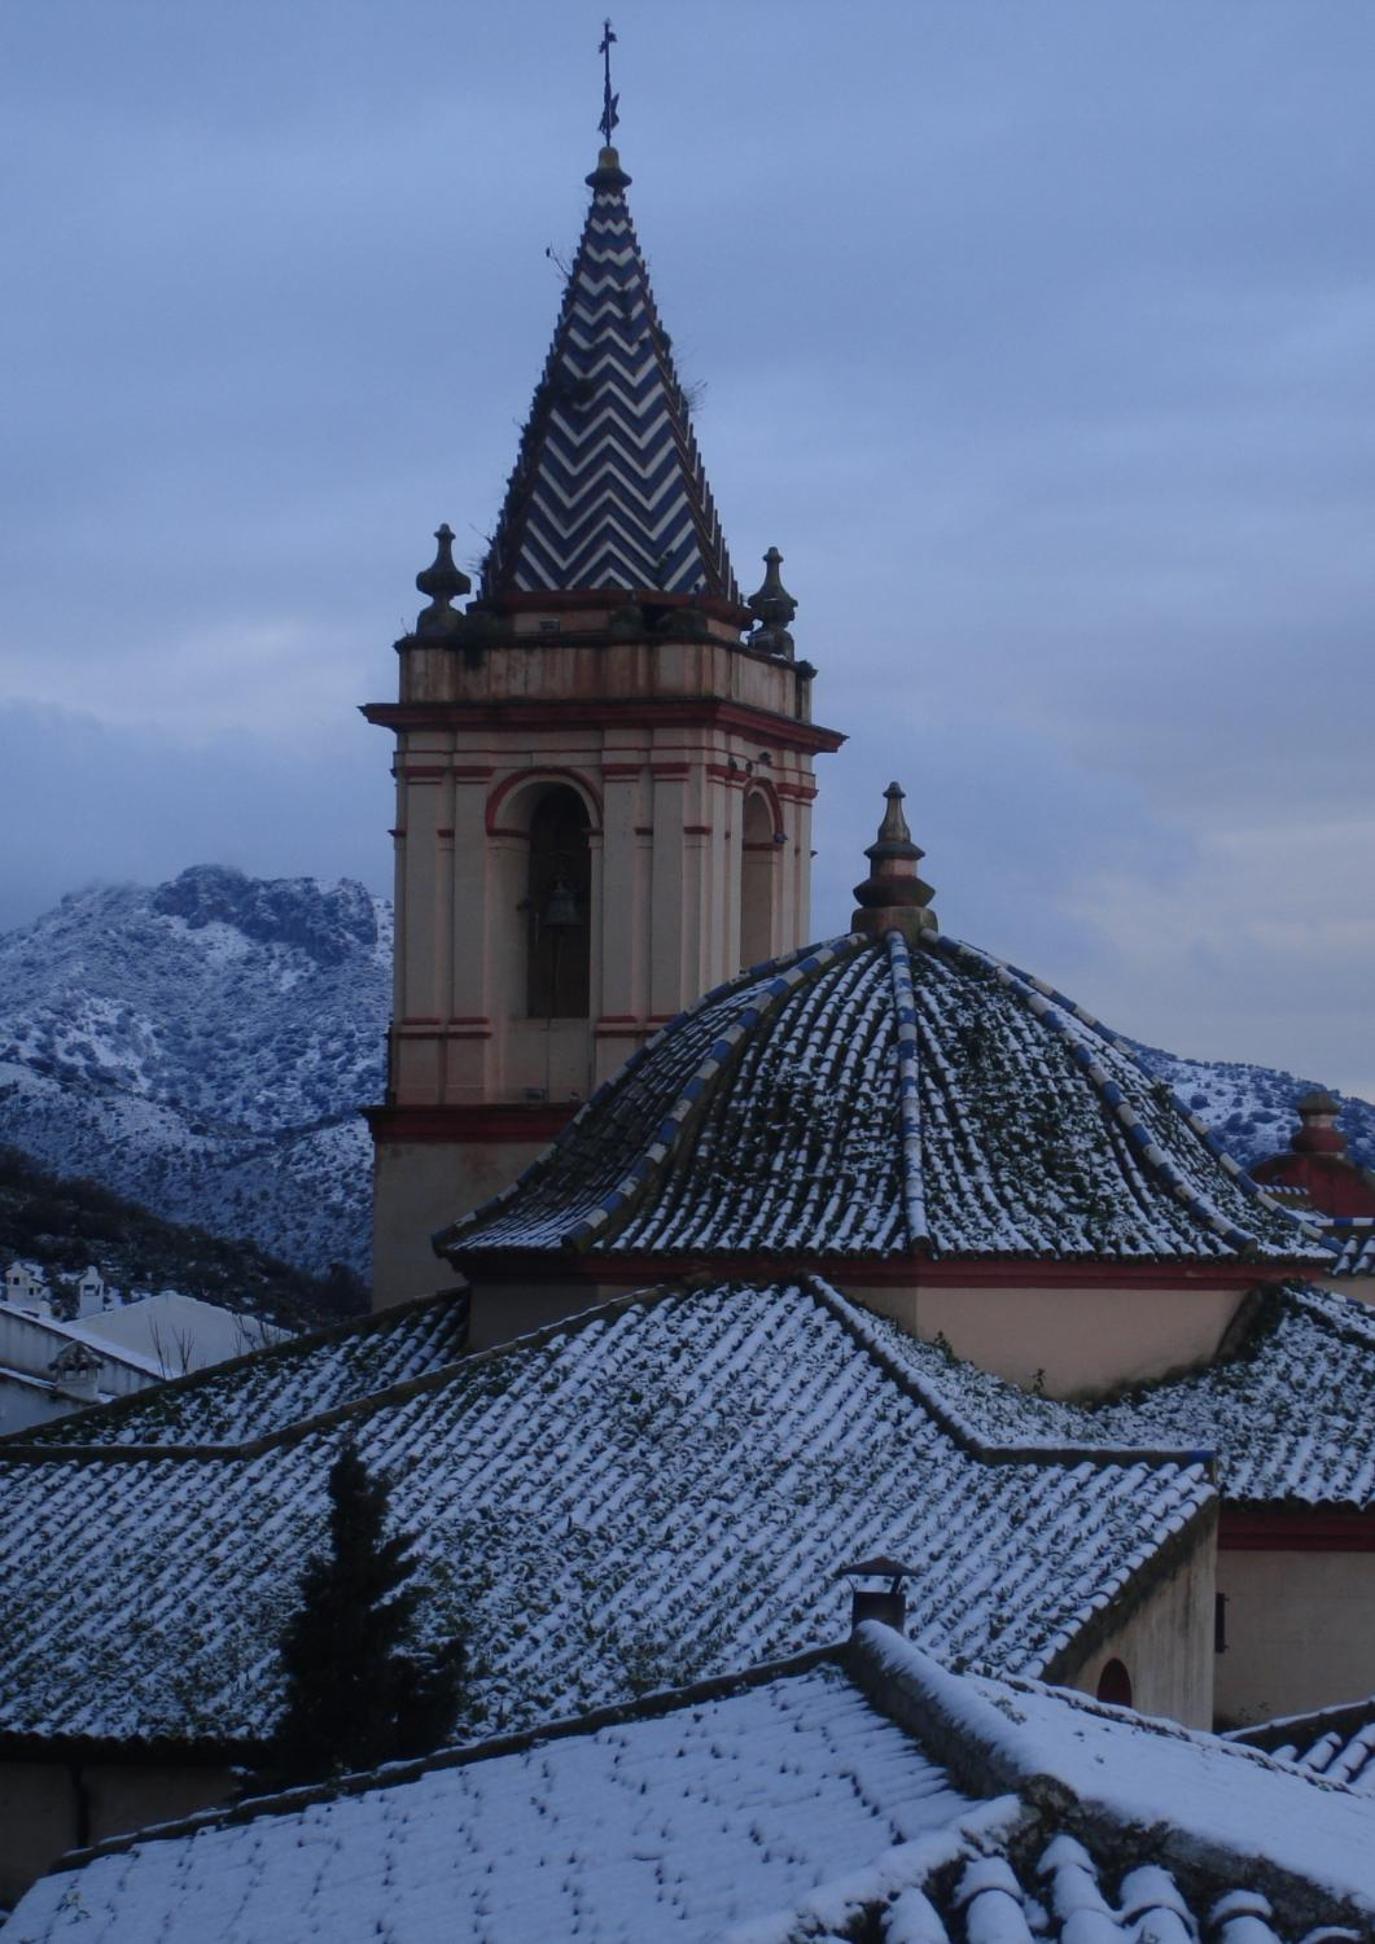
[203,1048]
[59,1226]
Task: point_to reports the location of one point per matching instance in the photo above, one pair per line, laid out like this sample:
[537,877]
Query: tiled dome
[871,1098]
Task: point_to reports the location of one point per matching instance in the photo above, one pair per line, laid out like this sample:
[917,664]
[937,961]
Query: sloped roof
[654,1491]
[862,1100]
[258,1394]
[609,488]
[177,1332]
[788,1805]
[1290,1412]
[1335,1744]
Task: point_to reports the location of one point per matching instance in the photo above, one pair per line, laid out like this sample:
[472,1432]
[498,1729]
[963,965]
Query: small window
[558,901]
[758,865]
[1115,1685]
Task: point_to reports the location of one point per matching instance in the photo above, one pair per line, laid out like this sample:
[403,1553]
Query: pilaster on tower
[604,779]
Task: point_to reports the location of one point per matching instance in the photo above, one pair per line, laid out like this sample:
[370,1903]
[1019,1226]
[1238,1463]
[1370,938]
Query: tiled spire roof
[609,489]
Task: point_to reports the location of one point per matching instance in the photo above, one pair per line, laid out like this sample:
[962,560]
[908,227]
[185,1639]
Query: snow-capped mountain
[204,1047]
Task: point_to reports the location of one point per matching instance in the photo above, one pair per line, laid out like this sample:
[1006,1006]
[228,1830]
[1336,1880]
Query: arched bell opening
[758,877]
[558,907]
[1115,1684]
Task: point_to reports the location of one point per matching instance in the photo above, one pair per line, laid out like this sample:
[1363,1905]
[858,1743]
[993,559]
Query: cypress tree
[359,1691]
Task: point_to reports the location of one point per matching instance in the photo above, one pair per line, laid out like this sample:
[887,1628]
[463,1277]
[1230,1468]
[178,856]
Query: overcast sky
[1037,334]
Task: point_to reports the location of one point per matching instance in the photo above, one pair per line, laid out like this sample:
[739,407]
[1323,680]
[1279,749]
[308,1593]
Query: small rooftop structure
[1317,1167]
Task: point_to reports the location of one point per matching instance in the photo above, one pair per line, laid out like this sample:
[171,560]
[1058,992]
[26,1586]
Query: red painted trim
[621,772]
[447,831]
[670,772]
[902,1272]
[422,773]
[697,830]
[797,792]
[470,1126]
[1299,1528]
[784,732]
[764,786]
[543,774]
[643,830]
[471,773]
[734,779]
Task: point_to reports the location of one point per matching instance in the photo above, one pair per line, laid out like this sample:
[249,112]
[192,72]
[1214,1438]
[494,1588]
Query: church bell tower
[603,768]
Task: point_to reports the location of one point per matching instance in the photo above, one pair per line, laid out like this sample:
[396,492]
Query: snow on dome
[874,1099]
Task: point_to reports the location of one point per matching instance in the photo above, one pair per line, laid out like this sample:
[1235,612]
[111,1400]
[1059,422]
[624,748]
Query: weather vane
[610,102]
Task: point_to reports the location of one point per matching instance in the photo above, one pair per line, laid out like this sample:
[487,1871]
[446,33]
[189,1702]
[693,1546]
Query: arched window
[558,901]
[757,866]
[1115,1685]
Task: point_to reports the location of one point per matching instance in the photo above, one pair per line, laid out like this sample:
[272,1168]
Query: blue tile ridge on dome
[1049,1006]
[806,962]
[909,1093]
[609,489]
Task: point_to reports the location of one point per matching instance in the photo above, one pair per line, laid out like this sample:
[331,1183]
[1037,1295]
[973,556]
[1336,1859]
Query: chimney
[75,1374]
[886,1604]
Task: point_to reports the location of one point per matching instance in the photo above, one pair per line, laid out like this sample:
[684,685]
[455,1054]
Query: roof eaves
[12,1443]
[645,1707]
[353,1409]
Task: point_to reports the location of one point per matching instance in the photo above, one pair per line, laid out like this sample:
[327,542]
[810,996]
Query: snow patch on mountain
[1251,1108]
[204,1047]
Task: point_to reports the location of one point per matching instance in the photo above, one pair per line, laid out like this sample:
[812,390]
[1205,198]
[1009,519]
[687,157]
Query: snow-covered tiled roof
[789,1805]
[863,1100]
[233,1403]
[1337,1744]
[653,1492]
[1290,1413]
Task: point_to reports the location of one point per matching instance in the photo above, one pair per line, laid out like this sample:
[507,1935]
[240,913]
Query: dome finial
[773,608]
[893,897]
[443,582]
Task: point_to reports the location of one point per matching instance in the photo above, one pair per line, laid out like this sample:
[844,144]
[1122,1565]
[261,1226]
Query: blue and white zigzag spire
[609,489]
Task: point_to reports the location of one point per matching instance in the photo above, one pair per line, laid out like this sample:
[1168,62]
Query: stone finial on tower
[773,608]
[893,897]
[443,582]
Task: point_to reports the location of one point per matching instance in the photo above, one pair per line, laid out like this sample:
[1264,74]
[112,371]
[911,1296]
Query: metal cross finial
[610,102]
